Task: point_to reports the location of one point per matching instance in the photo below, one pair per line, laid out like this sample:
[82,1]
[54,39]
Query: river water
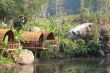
[63,66]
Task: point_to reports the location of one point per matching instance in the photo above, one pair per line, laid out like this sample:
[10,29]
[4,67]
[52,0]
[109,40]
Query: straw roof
[48,36]
[32,36]
[6,32]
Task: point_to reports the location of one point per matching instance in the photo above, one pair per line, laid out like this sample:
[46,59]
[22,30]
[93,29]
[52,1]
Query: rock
[36,29]
[26,57]
[80,30]
[84,29]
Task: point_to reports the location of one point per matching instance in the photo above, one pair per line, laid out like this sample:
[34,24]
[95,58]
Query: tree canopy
[10,9]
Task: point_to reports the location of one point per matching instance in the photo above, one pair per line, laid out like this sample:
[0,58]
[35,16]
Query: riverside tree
[14,9]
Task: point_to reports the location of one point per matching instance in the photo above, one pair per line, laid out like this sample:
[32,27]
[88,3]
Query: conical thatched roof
[6,32]
[33,36]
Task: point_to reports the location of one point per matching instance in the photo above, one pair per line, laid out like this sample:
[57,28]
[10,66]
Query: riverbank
[10,65]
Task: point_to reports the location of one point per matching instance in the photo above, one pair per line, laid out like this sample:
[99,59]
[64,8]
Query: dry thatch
[48,36]
[32,36]
[32,40]
[6,32]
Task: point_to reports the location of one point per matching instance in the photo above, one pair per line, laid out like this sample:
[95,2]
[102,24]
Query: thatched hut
[11,39]
[51,37]
[32,40]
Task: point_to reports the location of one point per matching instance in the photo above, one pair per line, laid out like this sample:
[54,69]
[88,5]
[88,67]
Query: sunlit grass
[5,60]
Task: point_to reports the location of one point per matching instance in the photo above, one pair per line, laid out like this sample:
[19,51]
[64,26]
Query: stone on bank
[26,57]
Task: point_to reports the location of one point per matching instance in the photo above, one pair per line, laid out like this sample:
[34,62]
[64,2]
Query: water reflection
[26,69]
[72,66]
[9,70]
[62,66]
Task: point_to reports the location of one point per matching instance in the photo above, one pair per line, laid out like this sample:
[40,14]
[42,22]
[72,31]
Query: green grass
[5,60]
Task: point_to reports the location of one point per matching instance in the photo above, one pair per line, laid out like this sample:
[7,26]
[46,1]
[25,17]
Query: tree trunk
[59,19]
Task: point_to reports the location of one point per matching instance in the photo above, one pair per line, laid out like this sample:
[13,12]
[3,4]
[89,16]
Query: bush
[67,46]
[90,45]
[50,52]
[81,49]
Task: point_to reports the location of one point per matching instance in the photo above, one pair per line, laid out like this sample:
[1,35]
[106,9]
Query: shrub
[67,46]
[50,52]
[81,49]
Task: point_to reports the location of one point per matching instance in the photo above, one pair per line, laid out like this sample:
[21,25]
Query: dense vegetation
[27,14]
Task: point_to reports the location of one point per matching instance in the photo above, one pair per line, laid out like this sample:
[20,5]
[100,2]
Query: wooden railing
[11,46]
[37,45]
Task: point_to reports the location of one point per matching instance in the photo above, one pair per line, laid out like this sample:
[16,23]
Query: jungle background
[58,16]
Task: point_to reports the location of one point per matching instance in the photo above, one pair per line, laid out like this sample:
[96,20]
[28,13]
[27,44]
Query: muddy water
[63,66]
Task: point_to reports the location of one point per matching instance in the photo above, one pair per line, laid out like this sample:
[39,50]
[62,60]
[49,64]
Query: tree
[59,19]
[18,10]
[96,10]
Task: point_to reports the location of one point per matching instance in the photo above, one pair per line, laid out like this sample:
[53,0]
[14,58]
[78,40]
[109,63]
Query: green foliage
[5,42]
[4,51]
[18,35]
[33,9]
[5,60]
[14,8]
[50,50]
[81,49]
[16,54]
[49,46]
[67,46]
[95,11]
[95,44]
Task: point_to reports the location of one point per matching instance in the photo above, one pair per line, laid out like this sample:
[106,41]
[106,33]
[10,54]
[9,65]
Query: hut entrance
[48,36]
[8,33]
